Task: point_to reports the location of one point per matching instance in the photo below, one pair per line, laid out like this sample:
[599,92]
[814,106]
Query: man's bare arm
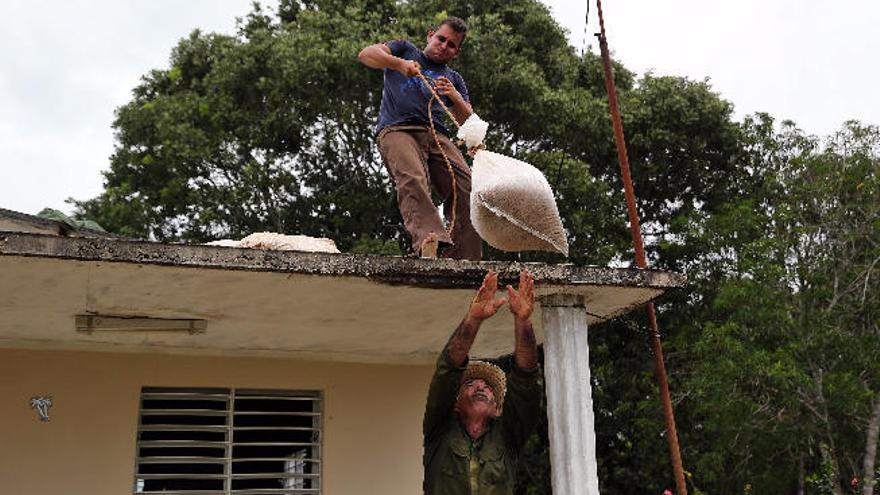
[483,306]
[525,354]
[522,303]
[462,339]
[379,56]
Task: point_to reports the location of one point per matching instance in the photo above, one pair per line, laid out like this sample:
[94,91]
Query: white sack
[281,242]
[473,131]
[512,205]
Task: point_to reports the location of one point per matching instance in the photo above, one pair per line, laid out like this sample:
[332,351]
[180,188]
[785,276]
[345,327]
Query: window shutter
[207,441]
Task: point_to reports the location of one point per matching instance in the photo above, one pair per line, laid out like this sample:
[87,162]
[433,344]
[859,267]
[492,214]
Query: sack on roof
[512,205]
[274,241]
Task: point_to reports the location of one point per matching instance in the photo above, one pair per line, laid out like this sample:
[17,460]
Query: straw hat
[491,374]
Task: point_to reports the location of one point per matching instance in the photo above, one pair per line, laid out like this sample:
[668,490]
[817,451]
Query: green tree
[785,379]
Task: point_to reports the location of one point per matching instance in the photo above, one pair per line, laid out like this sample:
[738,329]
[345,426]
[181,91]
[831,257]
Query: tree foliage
[787,365]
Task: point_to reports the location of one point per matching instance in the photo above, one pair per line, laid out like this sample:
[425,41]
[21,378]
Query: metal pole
[636,231]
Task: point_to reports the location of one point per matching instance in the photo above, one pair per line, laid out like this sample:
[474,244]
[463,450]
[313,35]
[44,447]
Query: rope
[471,151]
[434,96]
[437,97]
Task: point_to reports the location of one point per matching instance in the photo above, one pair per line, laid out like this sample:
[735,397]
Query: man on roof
[478,417]
[408,146]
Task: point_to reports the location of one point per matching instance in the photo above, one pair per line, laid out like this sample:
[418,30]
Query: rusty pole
[636,231]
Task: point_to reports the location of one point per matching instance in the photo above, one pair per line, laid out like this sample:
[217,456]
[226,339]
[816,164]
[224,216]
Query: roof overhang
[275,303]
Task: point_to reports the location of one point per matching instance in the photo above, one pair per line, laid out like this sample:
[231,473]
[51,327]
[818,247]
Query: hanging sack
[512,205]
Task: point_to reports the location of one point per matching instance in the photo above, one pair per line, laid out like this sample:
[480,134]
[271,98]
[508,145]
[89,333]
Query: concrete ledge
[414,272]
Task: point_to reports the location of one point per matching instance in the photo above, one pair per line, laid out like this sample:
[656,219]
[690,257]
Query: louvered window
[211,441]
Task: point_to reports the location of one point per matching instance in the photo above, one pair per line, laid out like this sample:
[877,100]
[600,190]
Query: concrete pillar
[569,396]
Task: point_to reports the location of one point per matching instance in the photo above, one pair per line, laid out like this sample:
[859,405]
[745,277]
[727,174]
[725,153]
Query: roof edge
[415,272]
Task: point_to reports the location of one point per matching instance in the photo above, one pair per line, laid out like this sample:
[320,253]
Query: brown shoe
[429,246]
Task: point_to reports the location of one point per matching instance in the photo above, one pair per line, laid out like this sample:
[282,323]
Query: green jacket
[454,463]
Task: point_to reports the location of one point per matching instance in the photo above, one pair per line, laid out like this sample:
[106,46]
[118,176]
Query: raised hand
[445,87]
[522,300]
[484,303]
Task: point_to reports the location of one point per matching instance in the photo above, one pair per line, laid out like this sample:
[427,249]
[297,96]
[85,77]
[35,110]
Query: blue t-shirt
[405,100]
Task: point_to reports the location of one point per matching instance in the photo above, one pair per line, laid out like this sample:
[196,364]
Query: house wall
[372,417]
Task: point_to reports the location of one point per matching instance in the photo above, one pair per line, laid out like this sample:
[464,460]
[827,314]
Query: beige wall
[372,423]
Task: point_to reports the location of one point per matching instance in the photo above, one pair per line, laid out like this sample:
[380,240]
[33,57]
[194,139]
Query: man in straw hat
[477,418]
[407,143]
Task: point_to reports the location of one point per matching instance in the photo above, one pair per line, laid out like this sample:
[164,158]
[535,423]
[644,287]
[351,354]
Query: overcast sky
[66,65]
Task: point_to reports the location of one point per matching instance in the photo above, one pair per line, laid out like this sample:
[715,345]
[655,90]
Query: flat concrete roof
[276,303]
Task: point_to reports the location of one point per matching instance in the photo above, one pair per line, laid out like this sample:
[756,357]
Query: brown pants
[415,164]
